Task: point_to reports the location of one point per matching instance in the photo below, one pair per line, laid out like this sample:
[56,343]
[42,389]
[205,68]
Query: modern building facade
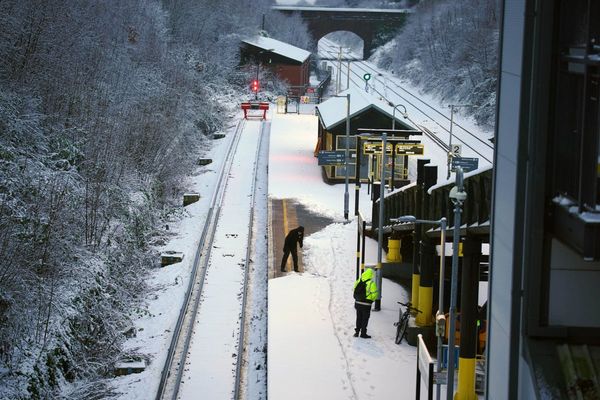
[543,310]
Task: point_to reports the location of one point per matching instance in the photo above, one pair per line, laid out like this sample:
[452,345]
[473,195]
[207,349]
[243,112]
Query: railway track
[213,314]
[417,104]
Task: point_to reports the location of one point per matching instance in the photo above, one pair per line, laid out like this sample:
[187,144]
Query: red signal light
[254,85]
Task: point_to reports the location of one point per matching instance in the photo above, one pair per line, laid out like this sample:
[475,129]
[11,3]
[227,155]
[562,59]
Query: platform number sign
[457,150]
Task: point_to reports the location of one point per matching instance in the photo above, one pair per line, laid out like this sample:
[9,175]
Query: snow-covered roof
[452,180]
[333,110]
[278,47]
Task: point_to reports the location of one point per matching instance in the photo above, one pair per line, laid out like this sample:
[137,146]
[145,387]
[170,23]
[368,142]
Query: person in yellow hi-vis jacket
[365,292]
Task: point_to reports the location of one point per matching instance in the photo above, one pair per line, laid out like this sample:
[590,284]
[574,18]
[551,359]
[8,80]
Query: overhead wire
[429,133]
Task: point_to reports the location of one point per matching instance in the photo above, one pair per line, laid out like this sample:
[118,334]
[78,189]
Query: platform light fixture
[346,195]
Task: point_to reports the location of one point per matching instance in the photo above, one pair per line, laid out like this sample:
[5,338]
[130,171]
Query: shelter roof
[333,110]
[280,48]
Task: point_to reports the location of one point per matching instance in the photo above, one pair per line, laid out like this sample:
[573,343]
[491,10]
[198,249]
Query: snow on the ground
[311,349]
[311,317]
[294,172]
[311,323]
[293,2]
[210,362]
[168,285]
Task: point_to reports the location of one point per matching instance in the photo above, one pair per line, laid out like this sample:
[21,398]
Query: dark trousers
[363,313]
[286,254]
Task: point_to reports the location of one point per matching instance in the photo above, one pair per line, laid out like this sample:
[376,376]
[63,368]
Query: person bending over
[294,237]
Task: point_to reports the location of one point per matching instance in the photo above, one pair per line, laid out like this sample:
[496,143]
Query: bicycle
[402,324]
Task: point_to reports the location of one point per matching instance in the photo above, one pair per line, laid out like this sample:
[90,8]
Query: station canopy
[333,111]
[280,48]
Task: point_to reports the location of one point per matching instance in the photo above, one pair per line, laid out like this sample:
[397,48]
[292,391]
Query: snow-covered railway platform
[311,350]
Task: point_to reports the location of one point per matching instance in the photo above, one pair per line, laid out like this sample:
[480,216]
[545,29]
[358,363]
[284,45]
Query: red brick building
[289,63]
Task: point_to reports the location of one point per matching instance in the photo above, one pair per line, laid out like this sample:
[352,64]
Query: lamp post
[442,222]
[458,196]
[378,275]
[347,147]
[405,114]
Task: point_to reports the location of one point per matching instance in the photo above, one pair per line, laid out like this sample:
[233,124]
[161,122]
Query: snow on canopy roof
[333,110]
[281,48]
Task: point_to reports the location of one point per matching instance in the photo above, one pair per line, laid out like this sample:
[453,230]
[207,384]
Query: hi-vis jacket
[371,286]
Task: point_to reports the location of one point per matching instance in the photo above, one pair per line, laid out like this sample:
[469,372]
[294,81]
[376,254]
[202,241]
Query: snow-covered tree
[104,107]
[451,48]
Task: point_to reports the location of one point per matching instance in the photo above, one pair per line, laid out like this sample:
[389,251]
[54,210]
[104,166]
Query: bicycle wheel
[398,329]
[402,328]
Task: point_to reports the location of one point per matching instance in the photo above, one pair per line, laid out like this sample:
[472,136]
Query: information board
[466,163]
[332,157]
[401,149]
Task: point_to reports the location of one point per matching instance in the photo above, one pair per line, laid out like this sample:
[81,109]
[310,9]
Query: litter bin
[393,254]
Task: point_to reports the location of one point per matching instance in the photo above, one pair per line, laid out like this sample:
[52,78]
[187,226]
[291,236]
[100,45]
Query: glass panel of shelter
[400,170]
[340,172]
[367,163]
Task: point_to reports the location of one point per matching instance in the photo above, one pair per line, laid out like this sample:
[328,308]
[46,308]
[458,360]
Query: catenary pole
[348,77]
[339,80]
[450,140]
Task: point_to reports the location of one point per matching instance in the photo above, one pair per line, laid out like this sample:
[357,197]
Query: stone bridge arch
[366,23]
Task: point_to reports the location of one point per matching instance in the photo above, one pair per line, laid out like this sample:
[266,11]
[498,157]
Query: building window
[575,185]
[340,144]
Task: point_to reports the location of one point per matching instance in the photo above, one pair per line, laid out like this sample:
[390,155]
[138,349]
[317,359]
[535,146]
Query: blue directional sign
[332,157]
[466,163]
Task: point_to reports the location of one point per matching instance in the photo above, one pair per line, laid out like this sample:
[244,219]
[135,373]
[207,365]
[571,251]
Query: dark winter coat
[293,237]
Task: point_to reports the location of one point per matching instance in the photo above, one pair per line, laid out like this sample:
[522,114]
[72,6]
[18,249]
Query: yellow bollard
[466,380]
[416,281]
[393,254]
[425,302]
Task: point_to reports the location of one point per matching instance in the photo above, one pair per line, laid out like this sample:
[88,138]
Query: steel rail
[428,133]
[469,133]
[439,142]
[240,352]
[188,310]
[369,68]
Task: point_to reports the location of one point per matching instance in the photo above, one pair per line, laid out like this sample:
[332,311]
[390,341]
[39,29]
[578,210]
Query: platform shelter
[366,111]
